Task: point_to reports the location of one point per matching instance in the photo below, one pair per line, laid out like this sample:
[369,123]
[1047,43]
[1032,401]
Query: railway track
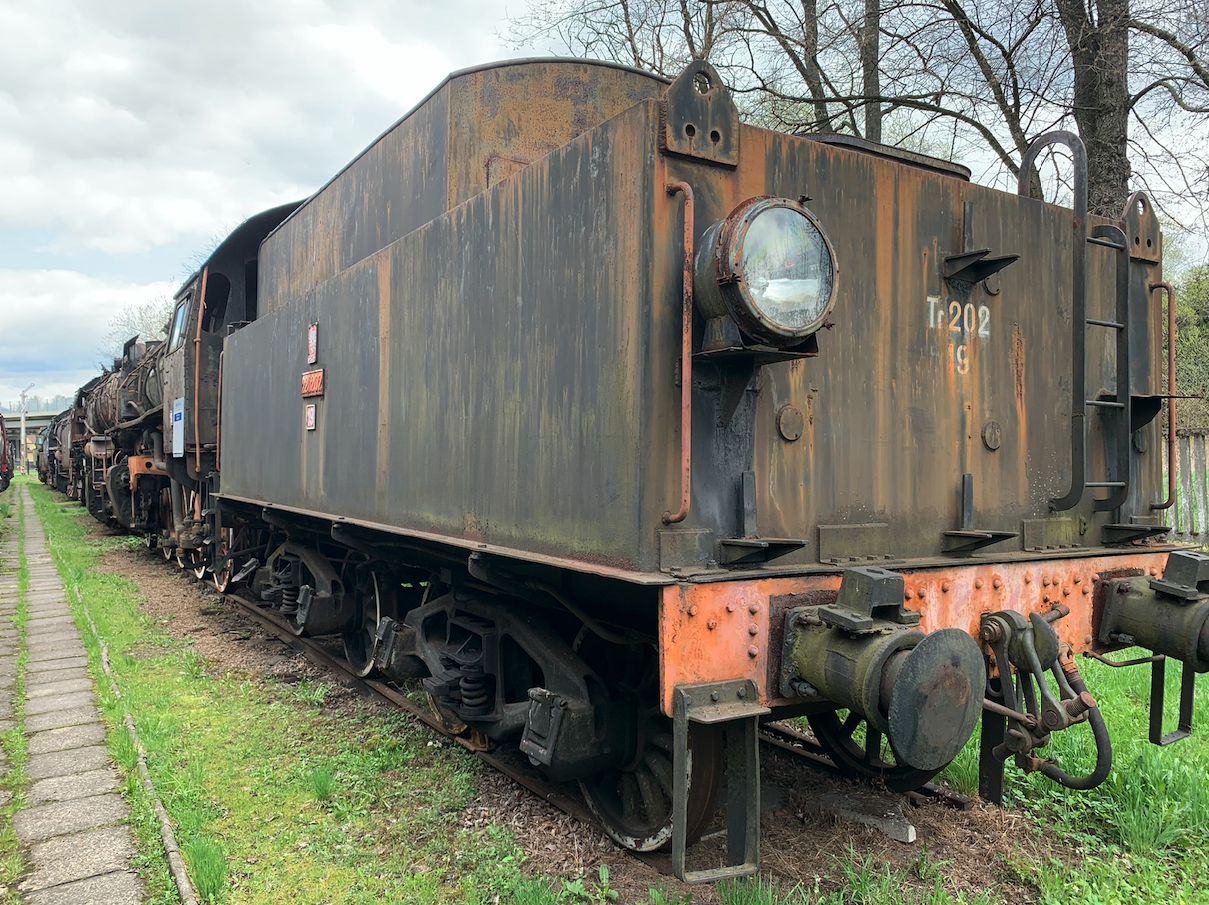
[775,735]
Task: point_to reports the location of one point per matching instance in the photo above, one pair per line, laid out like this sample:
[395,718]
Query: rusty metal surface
[520,314]
[543,319]
[727,630]
[479,127]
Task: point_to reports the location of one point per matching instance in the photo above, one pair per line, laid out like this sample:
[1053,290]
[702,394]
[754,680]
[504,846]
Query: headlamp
[770,267]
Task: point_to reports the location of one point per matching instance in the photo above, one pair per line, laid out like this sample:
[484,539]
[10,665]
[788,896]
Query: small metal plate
[936,699]
[312,383]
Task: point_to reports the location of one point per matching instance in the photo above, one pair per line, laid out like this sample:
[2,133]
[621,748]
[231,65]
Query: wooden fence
[1189,517]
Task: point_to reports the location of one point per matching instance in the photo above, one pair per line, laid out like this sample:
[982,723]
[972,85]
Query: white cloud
[53,324]
[125,126]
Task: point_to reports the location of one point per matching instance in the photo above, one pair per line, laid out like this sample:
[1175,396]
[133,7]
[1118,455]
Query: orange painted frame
[712,632]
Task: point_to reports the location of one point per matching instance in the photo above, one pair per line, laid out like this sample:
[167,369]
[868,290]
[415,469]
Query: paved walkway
[74,821]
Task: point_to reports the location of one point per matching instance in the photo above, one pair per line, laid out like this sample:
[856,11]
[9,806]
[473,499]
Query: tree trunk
[1100,58]
[871,75]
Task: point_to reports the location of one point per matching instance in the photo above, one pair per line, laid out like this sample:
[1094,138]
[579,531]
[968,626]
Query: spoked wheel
[861,751]
[222,571]
[359,643]
[634,802]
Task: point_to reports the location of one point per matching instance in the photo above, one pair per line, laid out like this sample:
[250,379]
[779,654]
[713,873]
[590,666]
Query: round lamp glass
[787,269]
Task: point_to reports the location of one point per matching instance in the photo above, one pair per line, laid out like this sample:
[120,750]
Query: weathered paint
[706,630]
[477,128]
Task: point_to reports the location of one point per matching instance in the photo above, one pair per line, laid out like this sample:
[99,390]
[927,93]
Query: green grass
[273,798]
[1143,836]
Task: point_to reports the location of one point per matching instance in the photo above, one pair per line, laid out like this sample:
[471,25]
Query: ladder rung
[1091,240]
[1106,403]
[1112,324]
[1104,484]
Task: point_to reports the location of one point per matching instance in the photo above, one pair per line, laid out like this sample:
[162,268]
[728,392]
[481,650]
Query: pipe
[218,420]
[686,358]
[178,510]
[157,451]
[1099,732]
[1172,454]
[201,304]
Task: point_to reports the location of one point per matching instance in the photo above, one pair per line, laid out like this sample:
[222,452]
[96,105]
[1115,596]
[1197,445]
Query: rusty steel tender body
[623,426]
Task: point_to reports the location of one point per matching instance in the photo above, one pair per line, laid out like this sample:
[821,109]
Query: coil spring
[289,600]
[476,693]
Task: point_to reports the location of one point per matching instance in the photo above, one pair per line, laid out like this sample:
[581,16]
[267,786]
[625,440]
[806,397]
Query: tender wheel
[634,802]
[359,643]
[222,575]
[863,752]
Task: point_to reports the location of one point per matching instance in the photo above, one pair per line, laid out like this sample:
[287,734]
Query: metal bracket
[736,705]
[1158,671]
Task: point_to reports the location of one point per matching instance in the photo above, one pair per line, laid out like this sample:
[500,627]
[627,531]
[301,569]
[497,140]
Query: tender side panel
[397,185]
[484,375]
[474,131]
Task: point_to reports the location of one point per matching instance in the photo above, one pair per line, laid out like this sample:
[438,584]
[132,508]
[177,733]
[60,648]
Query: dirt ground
[799,844]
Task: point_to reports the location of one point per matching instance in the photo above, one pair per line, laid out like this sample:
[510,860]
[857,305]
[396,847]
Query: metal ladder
[1118,406]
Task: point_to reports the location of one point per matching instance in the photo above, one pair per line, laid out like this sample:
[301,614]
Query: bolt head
[923,592]
[692,610]
[998,583]
[712,624]
[714,696]
[944,586]
[753,651]
[753,608]
[753,629]
[978,583]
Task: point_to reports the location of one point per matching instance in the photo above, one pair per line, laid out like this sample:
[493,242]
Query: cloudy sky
[134,134]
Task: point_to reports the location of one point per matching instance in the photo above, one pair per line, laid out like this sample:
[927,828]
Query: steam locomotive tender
[623,426]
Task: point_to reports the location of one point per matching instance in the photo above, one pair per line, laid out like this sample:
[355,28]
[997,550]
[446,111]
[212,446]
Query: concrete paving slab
[61,651]
[44,627]
[52,702]
[45,622]
[63,817]
[53,640]
[66,738]
[79,856]
[64,686]
[65,788]
[57,718]
[39,680]
[117,888]
[34,667]
[67,763]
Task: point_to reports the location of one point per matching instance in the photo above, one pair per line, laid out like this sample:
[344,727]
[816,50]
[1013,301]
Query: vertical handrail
[686,358]
[1171,438]
[1078,390]
[1124,433]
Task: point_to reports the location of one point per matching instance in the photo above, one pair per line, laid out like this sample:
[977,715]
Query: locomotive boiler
[622,426]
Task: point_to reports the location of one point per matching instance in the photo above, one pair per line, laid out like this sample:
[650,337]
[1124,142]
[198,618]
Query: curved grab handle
[1078,390]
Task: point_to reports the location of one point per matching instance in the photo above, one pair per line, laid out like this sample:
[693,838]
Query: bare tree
[147,320]
[981,79]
